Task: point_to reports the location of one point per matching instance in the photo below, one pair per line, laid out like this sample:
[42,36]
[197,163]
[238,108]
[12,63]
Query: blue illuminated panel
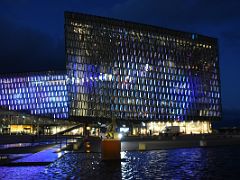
[40,94]
[134,71]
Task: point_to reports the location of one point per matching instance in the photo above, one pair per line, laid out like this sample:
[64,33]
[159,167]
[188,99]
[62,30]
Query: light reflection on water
[22,172]
[162,164]
[192,163]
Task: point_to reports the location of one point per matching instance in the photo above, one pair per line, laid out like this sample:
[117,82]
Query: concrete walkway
[43,157]
[179,142]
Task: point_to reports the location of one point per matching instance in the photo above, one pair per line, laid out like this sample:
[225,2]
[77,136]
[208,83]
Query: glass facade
[125,71]
[37,93]
[131,71]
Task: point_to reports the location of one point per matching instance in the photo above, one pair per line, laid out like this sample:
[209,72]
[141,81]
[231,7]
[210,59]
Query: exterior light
[120,136]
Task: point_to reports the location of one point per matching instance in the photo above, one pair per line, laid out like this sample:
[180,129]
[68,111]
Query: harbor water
[185,163]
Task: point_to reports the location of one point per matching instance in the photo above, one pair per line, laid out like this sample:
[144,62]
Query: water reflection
[187,162]
[194,163]
[173,164]
[13,173]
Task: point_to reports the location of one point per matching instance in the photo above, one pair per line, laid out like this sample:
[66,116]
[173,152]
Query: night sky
[32,33]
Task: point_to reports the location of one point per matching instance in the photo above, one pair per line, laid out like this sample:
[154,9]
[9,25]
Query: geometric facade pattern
[36,93]
[132,71]
[127,71]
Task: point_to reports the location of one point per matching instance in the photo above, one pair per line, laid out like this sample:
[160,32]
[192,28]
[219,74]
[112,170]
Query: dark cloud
[185,12]
[231,38]
[26,49]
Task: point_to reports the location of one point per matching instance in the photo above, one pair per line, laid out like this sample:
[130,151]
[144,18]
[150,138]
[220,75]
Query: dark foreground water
[192,163]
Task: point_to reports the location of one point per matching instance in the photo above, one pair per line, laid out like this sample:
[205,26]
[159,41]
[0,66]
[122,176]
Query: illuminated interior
[186,127]
[25,129]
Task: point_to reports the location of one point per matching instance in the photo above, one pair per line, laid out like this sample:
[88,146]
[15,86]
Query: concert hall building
[145,77]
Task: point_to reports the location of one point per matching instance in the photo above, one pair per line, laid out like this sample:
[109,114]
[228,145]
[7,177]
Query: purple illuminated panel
[119,69]
[40,94]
